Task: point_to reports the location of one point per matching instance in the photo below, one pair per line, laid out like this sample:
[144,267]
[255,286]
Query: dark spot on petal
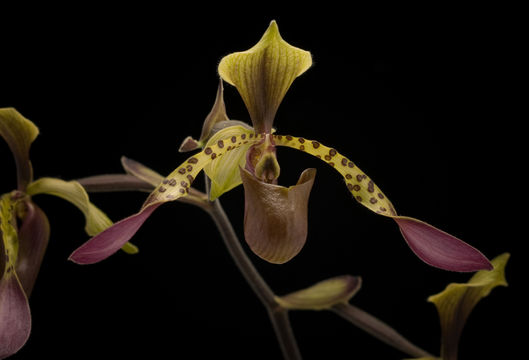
[350,187]
[373,200]
[328,157]
[279,137]
[359,177]
[182,171]
[315,144]
[220,144]
[301,140]
[165,181]
[184,184]
[190,178]
[302,147]
[182,191]
[380,195]
[243,136]
[172,182]
[344,162]
[189,168]
[289,138]
[251,136]
[356,187]
[192,160]
[208,150]
[351,165]
[331,163]
[213,156]
[332,152]
[348,176]
[359,198]
[371,186]
[382,209]
[233,139]
[161,189]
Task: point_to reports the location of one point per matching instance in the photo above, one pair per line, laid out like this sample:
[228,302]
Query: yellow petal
[263,74]
[455,303]
[73,192]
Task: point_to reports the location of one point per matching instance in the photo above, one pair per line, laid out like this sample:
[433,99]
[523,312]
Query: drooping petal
[275,217]
[176,185]
[224,172]
[19,133]
[73,192]
[440,249]
[430,244]
[112,239]
[33,236]
[455,303]
[15,317]
[322,295]
[263,74]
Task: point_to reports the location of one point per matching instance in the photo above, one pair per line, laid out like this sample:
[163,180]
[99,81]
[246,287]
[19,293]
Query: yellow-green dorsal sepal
[224,171]
[364,190]
[177,183]
[263,74]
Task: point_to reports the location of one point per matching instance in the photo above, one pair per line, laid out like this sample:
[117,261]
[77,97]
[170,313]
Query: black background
[425,101]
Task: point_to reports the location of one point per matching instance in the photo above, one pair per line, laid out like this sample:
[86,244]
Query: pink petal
[15,316]
[439,249]
[112,239]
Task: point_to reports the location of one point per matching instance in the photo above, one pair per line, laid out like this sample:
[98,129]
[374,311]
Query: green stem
[378,329]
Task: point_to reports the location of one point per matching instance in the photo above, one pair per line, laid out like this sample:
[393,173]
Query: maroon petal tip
[112,239]
[440,249]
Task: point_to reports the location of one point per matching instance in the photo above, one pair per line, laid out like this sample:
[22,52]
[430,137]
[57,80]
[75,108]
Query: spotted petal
[15,317]
[455,303]
[263,74]
[430,244]
[176,185]
[322,295]
[19,133]
[275,217]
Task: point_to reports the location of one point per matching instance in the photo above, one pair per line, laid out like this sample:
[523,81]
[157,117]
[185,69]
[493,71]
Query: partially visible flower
[275,225]
[22,247]
[455,303]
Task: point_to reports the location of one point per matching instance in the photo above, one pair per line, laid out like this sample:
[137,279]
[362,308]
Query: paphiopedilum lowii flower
[24,230]
[275,221]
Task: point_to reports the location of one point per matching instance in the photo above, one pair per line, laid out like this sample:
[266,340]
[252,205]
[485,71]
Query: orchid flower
[22,247]
[275,221]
